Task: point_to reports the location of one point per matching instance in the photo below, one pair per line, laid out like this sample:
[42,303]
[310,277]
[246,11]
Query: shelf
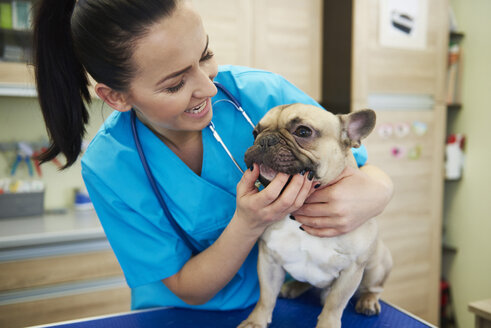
[9,90]
[454,106]
[449,249]
[456,36]
[14,31]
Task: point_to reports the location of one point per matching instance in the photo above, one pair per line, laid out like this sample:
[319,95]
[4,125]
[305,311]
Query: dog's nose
[269,140]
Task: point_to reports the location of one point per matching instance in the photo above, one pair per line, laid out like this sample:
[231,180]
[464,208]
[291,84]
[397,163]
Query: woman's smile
[201,110]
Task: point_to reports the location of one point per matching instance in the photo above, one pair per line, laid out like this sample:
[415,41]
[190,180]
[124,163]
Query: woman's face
[173,85]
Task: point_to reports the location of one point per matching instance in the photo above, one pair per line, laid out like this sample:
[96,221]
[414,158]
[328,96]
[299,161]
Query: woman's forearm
[207,273]
[386,186]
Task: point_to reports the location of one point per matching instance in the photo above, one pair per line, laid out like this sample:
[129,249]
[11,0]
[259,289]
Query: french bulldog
[295,138]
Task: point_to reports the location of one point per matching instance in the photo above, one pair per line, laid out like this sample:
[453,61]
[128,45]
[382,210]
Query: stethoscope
[153,184]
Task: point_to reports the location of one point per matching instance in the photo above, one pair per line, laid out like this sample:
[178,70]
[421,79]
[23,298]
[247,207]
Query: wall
[21,120]
[467,202]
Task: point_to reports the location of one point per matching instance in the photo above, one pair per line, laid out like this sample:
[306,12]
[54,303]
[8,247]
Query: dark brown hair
[73,38]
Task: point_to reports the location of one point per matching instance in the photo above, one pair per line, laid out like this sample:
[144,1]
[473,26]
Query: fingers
[246,183]
[275,187]
[331,190]
[319,220]
[323,226]
[283,195]
[293,196]
[326,232]
[306,191]
[314,209]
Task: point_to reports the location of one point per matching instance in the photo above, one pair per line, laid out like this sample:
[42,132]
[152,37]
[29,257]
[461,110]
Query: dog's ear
[356,126]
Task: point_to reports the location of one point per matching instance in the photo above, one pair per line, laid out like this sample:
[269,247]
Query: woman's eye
[303,132]
[209,55]
[175,88]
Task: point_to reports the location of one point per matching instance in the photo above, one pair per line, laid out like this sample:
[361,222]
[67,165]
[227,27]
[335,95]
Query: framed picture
[403,23]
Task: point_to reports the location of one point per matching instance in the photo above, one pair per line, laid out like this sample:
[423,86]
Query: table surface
[481,308]
[49,228]
[301,312]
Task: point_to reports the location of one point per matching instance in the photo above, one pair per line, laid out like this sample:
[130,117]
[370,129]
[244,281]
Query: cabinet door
[229,25]
[287,38]
[400,79]
[398,70]
[411,224]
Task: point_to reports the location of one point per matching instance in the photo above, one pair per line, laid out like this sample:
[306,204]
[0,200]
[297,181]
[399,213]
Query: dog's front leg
[341,291]
[271,276]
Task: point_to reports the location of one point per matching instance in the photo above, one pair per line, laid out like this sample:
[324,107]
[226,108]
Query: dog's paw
[368,304]
[293,289]
[249,324]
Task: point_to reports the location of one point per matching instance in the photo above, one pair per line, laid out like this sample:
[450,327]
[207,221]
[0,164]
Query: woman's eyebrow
[206,46]
[182,71]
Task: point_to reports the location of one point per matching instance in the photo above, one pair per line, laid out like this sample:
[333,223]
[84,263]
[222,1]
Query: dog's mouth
[275,155]
[267,172]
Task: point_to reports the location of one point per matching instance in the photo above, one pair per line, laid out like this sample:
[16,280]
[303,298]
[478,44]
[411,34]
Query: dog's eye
[254,134]
[303,132]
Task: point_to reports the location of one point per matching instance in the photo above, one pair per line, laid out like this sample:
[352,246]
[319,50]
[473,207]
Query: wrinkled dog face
[297,137]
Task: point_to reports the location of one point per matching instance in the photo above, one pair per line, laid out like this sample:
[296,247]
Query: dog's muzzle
[274,154]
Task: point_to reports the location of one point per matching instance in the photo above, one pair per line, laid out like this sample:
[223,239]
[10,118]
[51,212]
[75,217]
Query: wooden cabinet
[59,288]
[288,41]
[57,267]
[406,87]
[282,36]
[15,48]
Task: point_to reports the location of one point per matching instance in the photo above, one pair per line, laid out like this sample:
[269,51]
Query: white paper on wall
[403,23]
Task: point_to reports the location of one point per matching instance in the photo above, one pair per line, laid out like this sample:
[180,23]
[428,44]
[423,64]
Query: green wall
[468,201]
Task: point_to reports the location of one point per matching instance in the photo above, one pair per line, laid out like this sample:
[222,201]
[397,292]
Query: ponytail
[74,38]
[61,80]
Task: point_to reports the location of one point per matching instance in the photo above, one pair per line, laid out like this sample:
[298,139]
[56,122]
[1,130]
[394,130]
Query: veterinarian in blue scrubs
[152,57]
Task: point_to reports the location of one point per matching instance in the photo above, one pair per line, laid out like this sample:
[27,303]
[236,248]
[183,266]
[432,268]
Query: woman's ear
[116,99]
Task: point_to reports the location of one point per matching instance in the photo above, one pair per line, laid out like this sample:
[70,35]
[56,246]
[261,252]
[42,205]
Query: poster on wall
[403,23]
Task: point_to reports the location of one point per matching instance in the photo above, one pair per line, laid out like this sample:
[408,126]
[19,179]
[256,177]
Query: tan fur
[340,265]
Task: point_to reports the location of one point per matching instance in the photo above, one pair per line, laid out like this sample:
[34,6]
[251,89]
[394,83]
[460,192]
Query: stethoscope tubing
[232,100]
[153,184]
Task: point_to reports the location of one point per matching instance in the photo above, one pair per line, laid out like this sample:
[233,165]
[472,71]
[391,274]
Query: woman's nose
[205,87]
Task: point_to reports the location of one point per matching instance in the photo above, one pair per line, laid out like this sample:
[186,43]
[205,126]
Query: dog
[295,138]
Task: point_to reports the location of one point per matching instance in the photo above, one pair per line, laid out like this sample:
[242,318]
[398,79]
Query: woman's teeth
[197,109]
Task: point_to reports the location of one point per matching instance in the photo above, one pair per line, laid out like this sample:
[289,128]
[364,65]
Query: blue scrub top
[141,237]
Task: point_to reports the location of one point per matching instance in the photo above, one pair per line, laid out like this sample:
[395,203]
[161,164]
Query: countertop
[50,234]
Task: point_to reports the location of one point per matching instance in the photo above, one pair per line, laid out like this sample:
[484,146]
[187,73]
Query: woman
[152,58]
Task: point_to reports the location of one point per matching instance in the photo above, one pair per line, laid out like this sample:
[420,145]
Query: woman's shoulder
[256,88]
[113,136]
[227,73]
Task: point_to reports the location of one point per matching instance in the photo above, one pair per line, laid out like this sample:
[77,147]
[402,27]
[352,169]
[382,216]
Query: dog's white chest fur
[316,260]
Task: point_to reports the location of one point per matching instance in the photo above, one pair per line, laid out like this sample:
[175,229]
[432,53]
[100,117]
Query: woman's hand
[356,196]
[258,209]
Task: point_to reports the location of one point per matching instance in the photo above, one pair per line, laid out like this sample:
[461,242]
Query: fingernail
[311,175]
[317,185]
[303,172]
[301,228]
[292,217]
